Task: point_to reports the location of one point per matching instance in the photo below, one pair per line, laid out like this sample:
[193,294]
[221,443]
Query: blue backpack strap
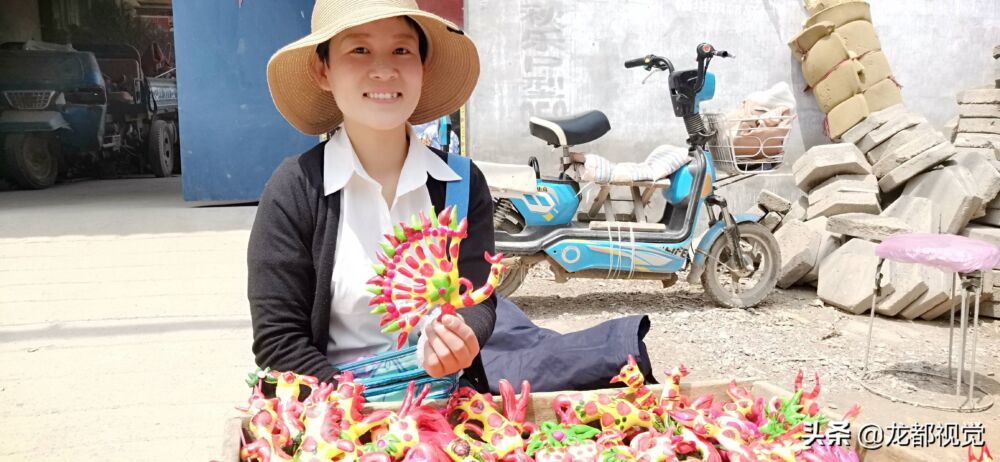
[457,192]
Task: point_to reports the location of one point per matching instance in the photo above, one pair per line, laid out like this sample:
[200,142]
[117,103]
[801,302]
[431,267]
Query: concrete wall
[19,21]
[557,57]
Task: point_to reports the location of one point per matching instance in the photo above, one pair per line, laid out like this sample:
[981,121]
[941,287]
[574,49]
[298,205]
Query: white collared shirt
[364,219]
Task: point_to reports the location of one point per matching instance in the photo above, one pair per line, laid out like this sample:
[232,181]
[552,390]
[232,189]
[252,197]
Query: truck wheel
[175,138]
[31,160]
[161,149]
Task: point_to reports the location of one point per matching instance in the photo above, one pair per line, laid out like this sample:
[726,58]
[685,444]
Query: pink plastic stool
[966,257]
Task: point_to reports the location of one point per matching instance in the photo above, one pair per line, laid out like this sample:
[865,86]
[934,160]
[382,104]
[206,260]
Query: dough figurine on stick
[417,273]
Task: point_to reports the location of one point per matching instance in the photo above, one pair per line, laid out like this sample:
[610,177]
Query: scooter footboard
[615,257]
[713,233]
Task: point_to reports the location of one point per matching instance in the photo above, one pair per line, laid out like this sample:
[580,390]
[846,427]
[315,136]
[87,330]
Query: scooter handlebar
[637,62]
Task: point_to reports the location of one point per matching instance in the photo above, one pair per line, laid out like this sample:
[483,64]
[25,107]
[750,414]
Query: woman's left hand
[450,347]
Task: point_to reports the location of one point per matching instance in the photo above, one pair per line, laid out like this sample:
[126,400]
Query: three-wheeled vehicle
[70,109]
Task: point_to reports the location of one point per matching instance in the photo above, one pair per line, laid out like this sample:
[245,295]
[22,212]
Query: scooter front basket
[749,145]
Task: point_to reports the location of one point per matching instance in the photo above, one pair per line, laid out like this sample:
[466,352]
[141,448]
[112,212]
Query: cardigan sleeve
[471,264]
[282,277]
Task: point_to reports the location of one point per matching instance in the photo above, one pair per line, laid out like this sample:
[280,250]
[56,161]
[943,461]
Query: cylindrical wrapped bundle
[841,84]
[883,94]
[842,13]
[845,116]
[824,56]
[875,67]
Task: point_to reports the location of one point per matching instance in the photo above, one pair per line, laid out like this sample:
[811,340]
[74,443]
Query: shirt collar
[420,162]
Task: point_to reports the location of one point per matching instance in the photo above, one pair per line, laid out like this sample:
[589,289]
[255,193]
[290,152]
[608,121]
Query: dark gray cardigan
[290,262]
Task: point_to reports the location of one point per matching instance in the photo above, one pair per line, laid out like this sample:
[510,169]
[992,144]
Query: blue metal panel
[232,137]
[639,257]
[554,205]
[707,92]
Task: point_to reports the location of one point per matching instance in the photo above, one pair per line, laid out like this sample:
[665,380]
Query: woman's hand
[450,347]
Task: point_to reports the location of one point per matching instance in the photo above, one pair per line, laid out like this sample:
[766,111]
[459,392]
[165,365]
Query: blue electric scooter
[736,260]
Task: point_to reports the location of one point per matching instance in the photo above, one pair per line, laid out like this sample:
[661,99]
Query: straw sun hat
[451,66]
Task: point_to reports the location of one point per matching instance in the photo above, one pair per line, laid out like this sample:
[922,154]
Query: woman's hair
[323,49]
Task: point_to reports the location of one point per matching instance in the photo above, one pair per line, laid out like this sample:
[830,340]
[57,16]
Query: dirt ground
[791,330]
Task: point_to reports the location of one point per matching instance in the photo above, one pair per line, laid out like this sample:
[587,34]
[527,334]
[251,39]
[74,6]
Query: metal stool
[968,259]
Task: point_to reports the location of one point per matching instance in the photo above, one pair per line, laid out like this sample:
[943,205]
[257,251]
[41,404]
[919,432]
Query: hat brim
[451,70]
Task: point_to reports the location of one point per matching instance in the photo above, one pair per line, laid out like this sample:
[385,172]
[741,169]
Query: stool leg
[951,321]
[975,334]
[871,323]
[871,319]
[961,354]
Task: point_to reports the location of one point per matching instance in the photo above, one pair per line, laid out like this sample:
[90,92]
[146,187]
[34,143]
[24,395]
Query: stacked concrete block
[875,228]
[828,243]
[837,179]
[843,63]
[847,277]
[979,118]
[799,247]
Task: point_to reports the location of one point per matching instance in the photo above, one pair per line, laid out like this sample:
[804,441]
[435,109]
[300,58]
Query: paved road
[124,327]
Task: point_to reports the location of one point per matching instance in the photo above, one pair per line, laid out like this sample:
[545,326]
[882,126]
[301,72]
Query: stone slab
[877,136]
[798,210]
[847,277]
[825,161]
[908,281]
[942,309]
[843,183]
[979,125]
[980,96]
[979,110]
[918,142]
[948,189]
[799,245]
[976,140]
[865,226]
[983,232]
[988,153]
[772,202]
[991,218]
[938,290]
[873,121]
[916,212]
[914,166]
[897,141]
[845,202]
[986,178]
[771,221]
[827,244]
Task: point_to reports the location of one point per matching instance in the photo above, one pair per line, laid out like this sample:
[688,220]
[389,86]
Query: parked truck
[81,108]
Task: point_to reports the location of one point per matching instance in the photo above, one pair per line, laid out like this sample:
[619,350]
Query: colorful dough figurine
[503,434]
[418,273]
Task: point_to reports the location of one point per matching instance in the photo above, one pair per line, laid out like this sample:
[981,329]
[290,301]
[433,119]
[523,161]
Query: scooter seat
[571,131]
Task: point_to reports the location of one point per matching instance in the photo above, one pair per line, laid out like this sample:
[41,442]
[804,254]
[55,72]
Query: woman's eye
[360,50]
[402,51]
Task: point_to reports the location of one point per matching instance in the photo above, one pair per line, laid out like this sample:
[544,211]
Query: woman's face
[375,73]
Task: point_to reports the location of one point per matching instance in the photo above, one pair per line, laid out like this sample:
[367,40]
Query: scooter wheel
[510,280]
[730,287]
